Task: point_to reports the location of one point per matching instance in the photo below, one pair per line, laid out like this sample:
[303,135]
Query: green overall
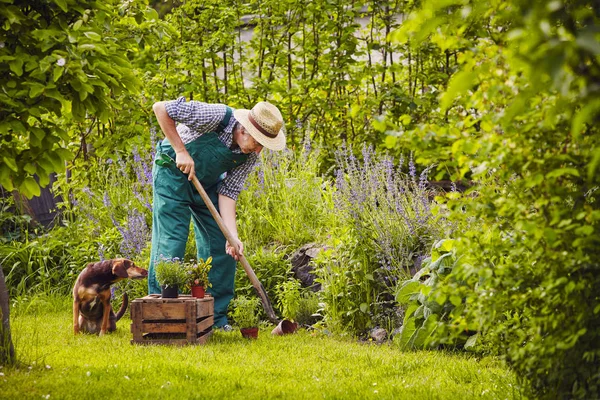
[176,200]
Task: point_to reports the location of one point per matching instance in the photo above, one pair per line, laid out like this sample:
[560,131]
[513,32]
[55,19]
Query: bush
[525,103]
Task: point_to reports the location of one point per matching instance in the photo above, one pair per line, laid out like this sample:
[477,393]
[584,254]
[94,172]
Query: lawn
[57,365]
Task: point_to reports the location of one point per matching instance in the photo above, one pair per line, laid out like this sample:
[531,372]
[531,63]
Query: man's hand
[231,249]
[185,163]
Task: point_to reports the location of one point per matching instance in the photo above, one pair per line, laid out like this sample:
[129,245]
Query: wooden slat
[163,311]
[190,316]
[136,320]
[159,327]
[205,323]
[205,306]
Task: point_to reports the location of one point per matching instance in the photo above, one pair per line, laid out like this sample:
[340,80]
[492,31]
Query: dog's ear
[119,269]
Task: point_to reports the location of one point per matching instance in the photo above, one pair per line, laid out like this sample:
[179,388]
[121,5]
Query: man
[209,140]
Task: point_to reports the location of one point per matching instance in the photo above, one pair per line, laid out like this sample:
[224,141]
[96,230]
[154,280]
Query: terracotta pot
[198,291]
[285,327]
[169,292]
[250,333]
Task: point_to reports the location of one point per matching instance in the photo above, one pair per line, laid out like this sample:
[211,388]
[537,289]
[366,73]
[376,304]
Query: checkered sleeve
[199,116]
[233,183]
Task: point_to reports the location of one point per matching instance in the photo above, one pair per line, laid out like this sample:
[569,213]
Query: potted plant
[245,314]
[198,276]
[171,275]
[289,299]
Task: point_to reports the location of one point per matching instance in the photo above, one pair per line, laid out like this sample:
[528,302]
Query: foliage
[522,114]
[427,307]
[288,298]
[390,212]
[308,308]
[387,224]
[111,204]
[286,202]
[171,273]
[59,59]
[347,286]
[198,272]
[43,262]
[271,266]
[245,311]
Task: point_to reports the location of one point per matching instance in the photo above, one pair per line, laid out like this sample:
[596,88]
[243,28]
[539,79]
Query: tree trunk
[7,350]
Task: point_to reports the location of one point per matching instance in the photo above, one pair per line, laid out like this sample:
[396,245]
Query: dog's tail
[123,308]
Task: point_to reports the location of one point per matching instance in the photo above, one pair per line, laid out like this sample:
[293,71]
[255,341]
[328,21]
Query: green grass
[300,366]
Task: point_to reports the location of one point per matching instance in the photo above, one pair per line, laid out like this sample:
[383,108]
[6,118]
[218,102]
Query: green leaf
[16,66]
[5,180]
[406,291]
[65,154]
[36,89]
[364,308]
[62,4]
[57,73]
[93,36]
[408,329]
[30,168]
[458,85]
[471,341]
[29,187]
[390,141]
[562,171]
[10,163]
[77,24]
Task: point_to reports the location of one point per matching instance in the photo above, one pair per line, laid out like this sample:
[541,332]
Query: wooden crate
[180,321]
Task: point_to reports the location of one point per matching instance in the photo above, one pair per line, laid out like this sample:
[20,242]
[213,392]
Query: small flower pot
[285,327]
[198,291]
[250,333]
[169,292]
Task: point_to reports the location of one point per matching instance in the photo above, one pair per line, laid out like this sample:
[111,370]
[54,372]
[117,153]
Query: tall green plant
[286,202]
[525,105]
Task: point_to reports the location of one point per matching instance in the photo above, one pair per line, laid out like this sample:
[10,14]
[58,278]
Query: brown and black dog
[92,311]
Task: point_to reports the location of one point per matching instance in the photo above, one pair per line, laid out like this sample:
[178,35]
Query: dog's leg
[75,316]
[105,316]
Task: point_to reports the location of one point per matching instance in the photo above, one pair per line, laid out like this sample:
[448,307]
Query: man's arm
[227,211]
[182,158]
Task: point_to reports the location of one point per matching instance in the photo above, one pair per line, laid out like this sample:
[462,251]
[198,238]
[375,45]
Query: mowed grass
[57,365]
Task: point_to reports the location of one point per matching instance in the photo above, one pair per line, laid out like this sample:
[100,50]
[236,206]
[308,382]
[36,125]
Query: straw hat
[265,123]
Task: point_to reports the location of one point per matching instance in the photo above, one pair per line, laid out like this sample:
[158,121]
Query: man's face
[247,143]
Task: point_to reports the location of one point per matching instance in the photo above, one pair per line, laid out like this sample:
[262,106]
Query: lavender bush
[390,212]
[386,223]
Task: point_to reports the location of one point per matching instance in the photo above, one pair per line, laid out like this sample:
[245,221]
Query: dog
[92,311]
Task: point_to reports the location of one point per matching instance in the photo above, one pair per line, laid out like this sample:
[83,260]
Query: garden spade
[262,293]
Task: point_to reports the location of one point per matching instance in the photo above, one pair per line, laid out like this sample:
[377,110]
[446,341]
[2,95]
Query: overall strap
[223,124]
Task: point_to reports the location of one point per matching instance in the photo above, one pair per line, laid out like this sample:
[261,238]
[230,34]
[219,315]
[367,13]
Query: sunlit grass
[303,365]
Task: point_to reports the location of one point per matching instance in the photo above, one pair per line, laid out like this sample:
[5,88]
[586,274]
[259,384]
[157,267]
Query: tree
[61,61]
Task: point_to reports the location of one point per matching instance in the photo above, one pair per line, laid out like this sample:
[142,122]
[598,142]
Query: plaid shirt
[195,119]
